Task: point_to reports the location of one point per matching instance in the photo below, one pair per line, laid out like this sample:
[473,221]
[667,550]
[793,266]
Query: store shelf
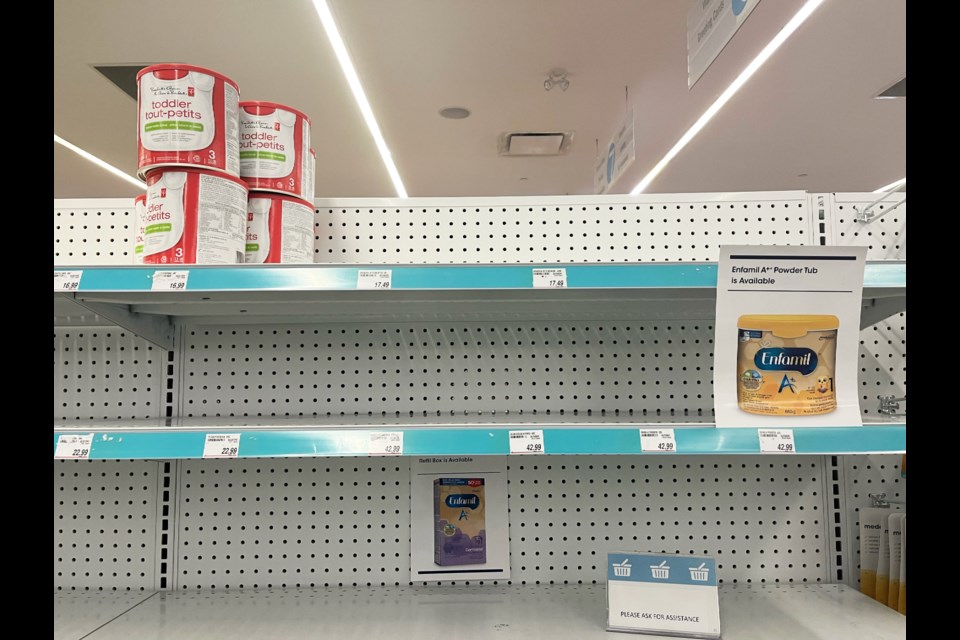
[78,613]
[257,293]
[284,437]
[554,612]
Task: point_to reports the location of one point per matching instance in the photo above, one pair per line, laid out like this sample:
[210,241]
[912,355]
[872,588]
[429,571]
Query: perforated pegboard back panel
[104,524]
[329,522]
[863,475]
[104,373]
[885,238]
[654,228]
[93,231]
[883,363]
[462,369]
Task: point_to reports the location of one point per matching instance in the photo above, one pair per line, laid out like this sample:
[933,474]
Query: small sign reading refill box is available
[663,593]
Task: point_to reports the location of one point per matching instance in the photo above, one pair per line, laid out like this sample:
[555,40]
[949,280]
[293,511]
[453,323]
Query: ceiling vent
[535,143]
[123,76]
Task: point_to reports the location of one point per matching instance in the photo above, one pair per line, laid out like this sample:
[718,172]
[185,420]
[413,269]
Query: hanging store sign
[711,24]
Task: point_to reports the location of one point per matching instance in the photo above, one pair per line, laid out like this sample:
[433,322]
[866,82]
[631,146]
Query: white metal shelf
[554,612]
[76,614]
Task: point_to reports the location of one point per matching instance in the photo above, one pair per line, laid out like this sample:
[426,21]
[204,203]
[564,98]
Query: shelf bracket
[876,309]
[152,328]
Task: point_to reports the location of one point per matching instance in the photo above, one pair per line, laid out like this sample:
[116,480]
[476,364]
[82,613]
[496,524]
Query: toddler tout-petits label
[274,149]
[279,230]
[188,118]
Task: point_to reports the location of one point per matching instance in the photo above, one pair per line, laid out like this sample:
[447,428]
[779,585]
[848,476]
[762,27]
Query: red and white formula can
[194,217]
[275,148]
[188,118]
[279,229]
[312,190]
[139,221]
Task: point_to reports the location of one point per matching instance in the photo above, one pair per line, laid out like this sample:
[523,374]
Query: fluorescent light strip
[97,161]
[728,93]
[339,48]
[893,186]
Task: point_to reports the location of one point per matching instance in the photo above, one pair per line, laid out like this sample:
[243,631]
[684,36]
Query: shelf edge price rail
[73,446]
[527,442]
[221,445]
[776,441]
[658,441]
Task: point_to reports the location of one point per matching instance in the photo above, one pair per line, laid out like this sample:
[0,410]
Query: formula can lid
[173,66]
[273,105]
[788,325]
[154,174]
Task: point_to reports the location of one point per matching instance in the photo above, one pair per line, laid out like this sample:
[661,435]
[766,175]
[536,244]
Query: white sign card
[711,24]
[458,515]
[616,157]
[788,336]
[663,593]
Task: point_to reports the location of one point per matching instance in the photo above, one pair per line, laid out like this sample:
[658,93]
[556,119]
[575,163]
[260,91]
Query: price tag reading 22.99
[526,442]
[221,445]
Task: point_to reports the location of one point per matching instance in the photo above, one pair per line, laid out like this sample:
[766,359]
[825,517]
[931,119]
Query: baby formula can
[139,215]
[194,217]
[279,229]
[275,148]
[786,364]
[188,117]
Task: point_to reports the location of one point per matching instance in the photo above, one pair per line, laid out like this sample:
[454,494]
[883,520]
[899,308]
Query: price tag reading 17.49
[549,278]
[374,279]
[386,443]
[523,442]
[657,441]
[169,280]
[776,441]
[221,445]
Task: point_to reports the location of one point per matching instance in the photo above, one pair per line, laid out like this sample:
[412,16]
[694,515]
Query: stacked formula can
[215,168]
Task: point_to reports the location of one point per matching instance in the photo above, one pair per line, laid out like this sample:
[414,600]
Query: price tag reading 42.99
[526,442]
[386,443]
[221,445]
[657,441]
[776,441]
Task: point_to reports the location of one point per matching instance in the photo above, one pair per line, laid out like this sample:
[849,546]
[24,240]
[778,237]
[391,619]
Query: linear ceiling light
[893,186]
[97,161]
[333,35]
[788,29]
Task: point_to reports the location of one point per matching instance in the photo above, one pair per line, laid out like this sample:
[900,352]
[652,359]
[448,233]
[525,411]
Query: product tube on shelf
[870,532]
[893,591]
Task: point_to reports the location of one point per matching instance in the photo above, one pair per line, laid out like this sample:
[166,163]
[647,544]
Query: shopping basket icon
[700,574]
[622,569]
[661,570]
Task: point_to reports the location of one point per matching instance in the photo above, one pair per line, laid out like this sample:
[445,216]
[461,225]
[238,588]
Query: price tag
[170,280]
[221,445]
[526,442]
[374,279]
[657,440]
[66,280]
[776,441]
[74,446]
[386,443]
[549,278]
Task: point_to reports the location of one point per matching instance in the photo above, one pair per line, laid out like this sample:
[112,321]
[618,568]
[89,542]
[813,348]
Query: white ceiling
[809,110]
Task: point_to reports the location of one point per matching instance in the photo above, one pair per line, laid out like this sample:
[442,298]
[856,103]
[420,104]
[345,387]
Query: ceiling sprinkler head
[556,78]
